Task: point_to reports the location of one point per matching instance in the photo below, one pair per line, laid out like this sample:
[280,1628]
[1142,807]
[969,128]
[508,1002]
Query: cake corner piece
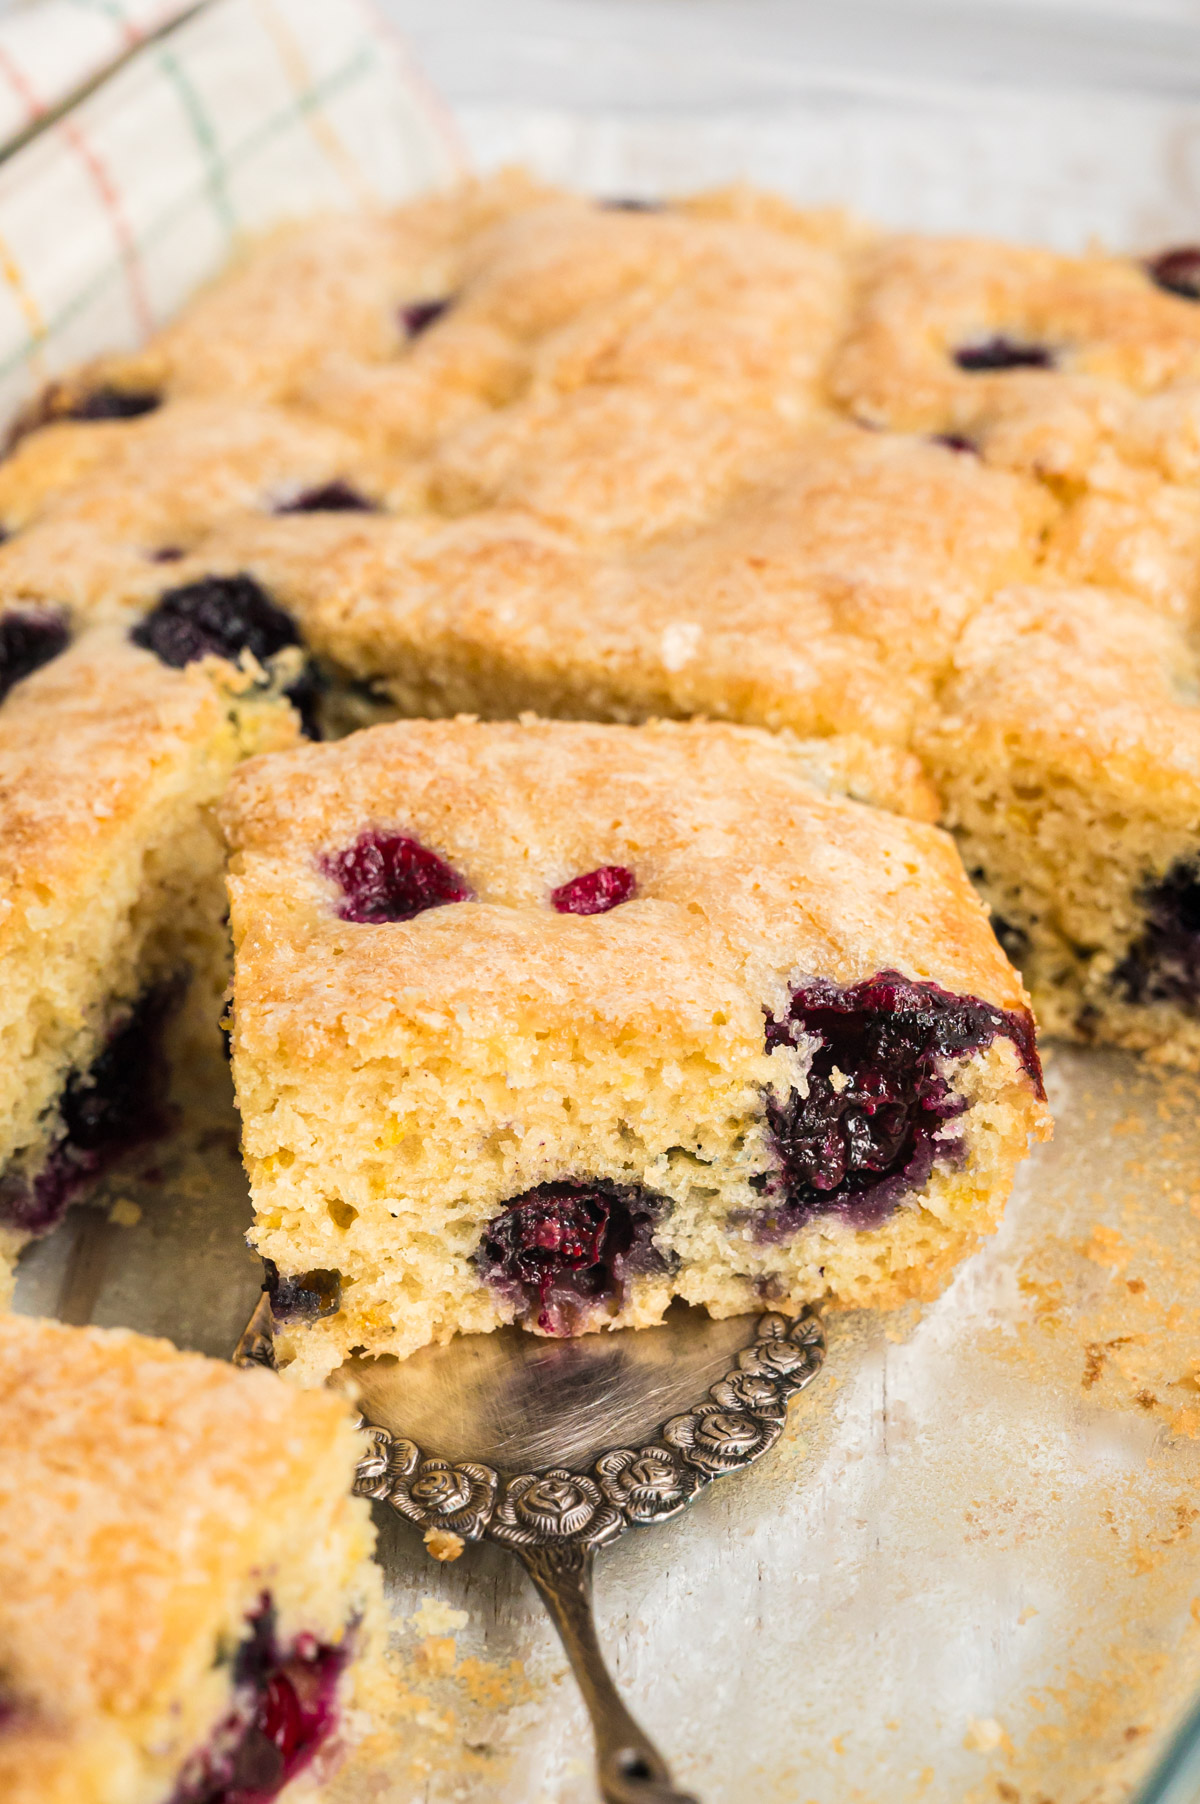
[206,1515]
[113,944]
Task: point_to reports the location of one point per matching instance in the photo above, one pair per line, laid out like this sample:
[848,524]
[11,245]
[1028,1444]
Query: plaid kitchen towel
[208,124]
[51,51]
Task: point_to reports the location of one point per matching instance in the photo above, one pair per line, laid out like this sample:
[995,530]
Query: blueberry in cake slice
[113,944]
[553,1022]
[187,1601]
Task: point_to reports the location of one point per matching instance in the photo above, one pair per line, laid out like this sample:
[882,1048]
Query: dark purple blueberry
[59,401]
[328,498]
[629,203]
[1178,271]
[1014,941]
[285,1708]
[956,441]
[868,1129]
[306,695]
[1002,353]
[417,316]
[308,1297]
[29,638]
[167,554]
[596,891]
[120,1103]
[559,1250]
[109,403]
[218,616]
[34,1205]
[222,616]
[122,1100]
[1163,963]
[389,877]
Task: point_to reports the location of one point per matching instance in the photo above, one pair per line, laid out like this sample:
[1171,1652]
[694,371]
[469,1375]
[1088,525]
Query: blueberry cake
[114,751]
[554,1022]
[186,1590]
[509,448]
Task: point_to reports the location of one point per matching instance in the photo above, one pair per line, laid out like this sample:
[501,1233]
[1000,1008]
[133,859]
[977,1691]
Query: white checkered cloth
[194,129]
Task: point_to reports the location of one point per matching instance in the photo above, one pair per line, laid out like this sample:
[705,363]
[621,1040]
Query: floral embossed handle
[629,1767]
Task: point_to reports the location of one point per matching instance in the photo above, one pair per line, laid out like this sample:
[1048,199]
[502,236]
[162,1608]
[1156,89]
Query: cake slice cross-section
[554,1022]
[113,943]
[187,1600]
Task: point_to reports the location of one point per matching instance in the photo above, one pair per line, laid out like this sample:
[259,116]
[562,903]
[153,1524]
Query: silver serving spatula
[554,1448]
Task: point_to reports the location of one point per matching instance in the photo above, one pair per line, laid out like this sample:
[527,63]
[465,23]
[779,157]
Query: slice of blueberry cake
[826,598]
[112,933]
[553,1023]
[1067,754]
[187,1600]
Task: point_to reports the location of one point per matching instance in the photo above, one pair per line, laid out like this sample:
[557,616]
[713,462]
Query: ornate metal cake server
[554,1448]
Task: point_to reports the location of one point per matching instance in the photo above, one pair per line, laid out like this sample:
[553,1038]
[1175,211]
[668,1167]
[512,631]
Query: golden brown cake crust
[827,599]
[1109,335]
[79,740]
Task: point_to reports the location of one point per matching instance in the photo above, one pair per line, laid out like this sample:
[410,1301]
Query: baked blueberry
[120,1102]
[223,616]
[389,877]
[29,638]
[285,1709]
[218,616]
[417,316]
[1177,271]
[871,1119]
[595,892]
[956,441]
[109,403]
[560,1249]
[307,1297]
[335,497]
[1003,353]
[60,401]
[1163,964]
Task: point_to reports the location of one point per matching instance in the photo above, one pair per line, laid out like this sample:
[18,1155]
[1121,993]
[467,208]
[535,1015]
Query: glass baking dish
[968,1572]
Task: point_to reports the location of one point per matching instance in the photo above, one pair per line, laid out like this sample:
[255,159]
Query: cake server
[555,1448]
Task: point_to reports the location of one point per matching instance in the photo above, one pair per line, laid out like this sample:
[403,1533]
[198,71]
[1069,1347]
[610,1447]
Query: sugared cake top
[423,866]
